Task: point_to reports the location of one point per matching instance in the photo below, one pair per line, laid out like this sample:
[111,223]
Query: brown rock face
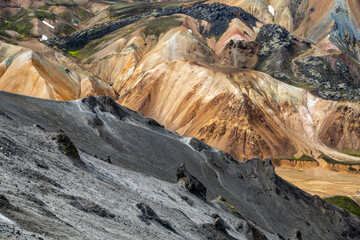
[216,107]
[342,129]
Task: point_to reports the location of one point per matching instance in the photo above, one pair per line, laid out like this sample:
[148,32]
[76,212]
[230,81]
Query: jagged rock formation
[137,196]
[273,38]
[190,182]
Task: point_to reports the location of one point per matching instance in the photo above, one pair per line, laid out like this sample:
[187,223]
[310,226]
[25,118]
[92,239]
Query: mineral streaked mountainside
[214,40]
[246,113]
[46,193]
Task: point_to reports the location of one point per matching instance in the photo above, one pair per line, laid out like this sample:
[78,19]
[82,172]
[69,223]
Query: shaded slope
[47,194]
[100,126]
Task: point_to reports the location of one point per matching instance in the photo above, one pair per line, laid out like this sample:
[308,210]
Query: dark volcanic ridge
[219,15]
[49,189]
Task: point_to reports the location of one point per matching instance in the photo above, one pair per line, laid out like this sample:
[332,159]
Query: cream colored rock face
[25,72]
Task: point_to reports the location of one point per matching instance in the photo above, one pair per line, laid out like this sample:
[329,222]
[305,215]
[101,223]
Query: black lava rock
[191,183]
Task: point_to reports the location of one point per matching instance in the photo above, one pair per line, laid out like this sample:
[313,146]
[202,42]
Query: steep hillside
[47,177]
[326,22]
[26,72]
[143,56]
[237,112]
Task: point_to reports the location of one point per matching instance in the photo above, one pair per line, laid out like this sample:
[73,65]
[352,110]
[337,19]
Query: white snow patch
[48,24]
[271,10]
[6,220]
[44,38]
[312,101]
[190,31]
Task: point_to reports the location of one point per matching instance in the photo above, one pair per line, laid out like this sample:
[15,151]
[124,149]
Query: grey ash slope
[95,199]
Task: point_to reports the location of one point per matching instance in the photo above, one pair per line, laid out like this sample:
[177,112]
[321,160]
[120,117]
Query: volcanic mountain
[255,79]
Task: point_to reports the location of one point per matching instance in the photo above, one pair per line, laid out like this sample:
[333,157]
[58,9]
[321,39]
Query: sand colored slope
[177,44]
[29,74]
[204,103]
[118,60]
[322,182]
[26,72]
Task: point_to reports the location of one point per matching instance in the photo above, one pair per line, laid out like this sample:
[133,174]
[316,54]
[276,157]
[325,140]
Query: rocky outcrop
[334,77]
[190,182]
[273,38]
[240,54]
[148,214]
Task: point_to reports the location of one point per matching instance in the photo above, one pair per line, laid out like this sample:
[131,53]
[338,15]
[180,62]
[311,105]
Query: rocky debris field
[272,38]
[332,77]
[52,191]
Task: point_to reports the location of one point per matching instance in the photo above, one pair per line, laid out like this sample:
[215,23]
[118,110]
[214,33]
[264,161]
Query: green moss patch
[354,154]
[19,23]
[345,203]
[330,160]
[41,14]
[235,211]
[303,158]
[160,25]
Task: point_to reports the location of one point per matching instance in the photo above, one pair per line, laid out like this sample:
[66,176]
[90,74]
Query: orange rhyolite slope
[25,72]
[246,113]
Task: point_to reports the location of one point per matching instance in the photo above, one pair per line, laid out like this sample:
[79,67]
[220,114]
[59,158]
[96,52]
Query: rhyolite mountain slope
[224,74]
[26,72]
[35,18]
[203,70]
[56,191]
[266,122]
[326,22]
